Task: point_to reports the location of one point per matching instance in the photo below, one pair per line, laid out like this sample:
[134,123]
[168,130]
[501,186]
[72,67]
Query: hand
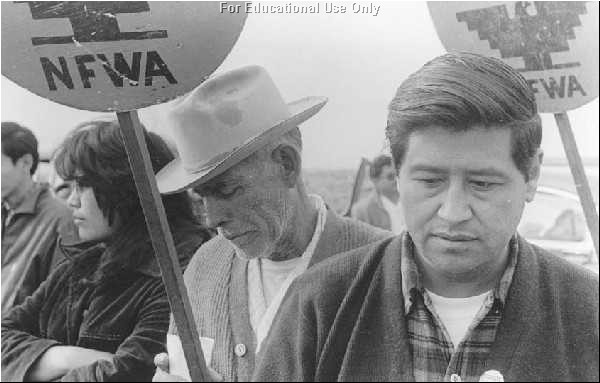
[161,361]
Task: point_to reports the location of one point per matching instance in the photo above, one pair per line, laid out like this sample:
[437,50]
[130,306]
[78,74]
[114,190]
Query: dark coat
[344,320]
[128,317]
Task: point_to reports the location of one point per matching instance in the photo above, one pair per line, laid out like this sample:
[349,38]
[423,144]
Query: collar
[337,227]
[73,249]
[411,279]
[29,203]
[319,227]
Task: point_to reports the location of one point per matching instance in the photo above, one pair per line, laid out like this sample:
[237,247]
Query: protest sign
[550,43]
[114,56]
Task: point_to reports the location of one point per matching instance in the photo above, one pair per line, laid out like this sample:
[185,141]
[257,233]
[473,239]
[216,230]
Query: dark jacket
[128,317]
[344,320]
[371,211]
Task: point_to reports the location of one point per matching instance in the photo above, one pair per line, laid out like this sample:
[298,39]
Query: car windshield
[553,217]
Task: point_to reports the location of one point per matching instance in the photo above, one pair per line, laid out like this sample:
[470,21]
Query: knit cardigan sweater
[216,282]
[344,321]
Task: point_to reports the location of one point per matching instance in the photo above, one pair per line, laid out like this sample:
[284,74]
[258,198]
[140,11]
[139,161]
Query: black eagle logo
[536,30]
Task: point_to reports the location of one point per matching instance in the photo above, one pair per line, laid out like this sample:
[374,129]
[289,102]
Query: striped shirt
[435,358]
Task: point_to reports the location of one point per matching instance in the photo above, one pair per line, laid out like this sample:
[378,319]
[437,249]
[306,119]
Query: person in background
[103,313]
[240,150]
[60,188]
[31,218]
[382,208]
[460,296]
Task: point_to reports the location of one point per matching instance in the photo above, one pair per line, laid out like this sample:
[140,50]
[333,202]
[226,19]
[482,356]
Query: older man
[240,150]
[460,296]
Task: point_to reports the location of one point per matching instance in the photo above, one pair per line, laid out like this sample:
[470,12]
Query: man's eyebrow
[489,171]
[486,171]
[428,169]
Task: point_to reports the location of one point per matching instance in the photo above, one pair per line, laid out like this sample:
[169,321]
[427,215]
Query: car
[554,220]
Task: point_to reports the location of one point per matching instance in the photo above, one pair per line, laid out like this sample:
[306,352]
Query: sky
[356,60]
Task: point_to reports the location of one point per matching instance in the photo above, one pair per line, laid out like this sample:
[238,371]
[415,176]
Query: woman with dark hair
[103,313]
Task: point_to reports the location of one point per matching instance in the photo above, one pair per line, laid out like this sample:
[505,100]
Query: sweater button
[240,350]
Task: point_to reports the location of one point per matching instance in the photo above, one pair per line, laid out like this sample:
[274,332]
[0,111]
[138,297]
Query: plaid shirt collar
[411,279]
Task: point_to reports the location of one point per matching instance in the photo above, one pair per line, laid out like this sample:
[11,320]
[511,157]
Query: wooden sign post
[357,186]
[551,44]
[162,242]
[119,57]
[581,181]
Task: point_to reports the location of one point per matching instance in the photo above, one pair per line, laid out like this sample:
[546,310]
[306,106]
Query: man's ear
[534,175]
[25,163]
[290,163]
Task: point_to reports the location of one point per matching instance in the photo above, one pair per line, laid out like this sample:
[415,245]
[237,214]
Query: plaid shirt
[435,358]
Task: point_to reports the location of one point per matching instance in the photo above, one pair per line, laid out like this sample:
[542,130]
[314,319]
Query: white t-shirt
[396,214]
[268,281]
[457,314]
[265,278]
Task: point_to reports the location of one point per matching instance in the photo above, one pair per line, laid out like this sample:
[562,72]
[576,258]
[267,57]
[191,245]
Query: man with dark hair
[382,207]
[460,296]
[31,218]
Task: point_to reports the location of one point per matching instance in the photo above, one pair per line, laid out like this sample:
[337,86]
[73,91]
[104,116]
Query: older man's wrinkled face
[247,205]
[463,197]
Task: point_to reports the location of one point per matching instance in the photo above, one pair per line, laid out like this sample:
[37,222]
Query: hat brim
[174,178]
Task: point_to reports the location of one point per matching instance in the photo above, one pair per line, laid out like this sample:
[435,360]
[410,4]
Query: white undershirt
[268,281]
[457,314]
[396,214]
[265,278]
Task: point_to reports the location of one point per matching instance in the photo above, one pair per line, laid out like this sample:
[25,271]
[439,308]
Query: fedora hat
[225,120]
